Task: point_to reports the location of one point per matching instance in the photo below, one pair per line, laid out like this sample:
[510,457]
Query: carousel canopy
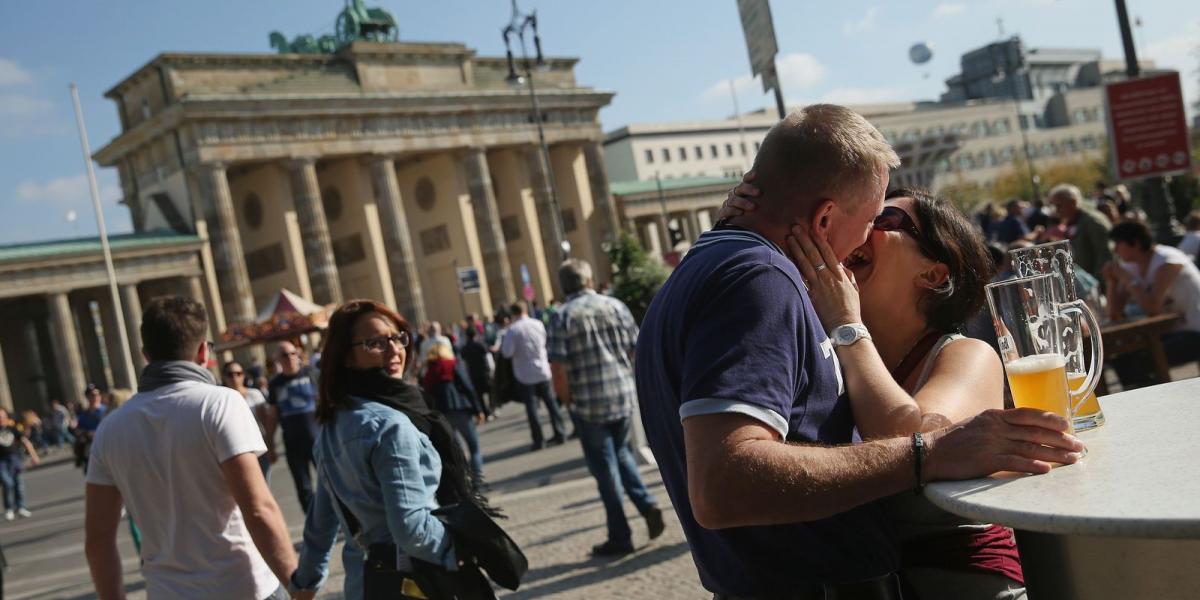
[286,316]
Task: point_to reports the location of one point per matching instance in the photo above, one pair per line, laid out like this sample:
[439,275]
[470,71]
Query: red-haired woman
[385,460]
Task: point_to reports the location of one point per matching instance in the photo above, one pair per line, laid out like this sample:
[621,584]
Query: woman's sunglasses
[895,219]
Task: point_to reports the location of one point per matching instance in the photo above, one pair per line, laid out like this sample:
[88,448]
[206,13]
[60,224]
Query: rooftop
[629,188]
[11,253]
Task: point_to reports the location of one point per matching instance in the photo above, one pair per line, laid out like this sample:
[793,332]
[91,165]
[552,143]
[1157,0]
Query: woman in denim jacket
[371,458]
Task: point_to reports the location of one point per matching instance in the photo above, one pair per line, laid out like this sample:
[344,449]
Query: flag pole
[126,357]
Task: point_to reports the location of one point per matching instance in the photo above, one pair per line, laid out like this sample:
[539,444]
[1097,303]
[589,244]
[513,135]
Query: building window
[435,239]
[252,211]
[682,153]
[1070,146]
[666,154]
[699,152]
[1089,142]
[712,151]
[331,201]
[1003,126]
[426,194]
[511,226]
[743,145]
[265,261]
[650,157]
[756,147]
[348,250]
[568,220]
[728,149]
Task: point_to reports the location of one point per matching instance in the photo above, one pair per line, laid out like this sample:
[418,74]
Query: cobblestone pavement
[554,509]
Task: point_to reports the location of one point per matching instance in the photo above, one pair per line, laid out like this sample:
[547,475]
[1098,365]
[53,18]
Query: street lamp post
[520,23]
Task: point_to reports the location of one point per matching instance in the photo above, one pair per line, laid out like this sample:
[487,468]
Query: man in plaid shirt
[591,342]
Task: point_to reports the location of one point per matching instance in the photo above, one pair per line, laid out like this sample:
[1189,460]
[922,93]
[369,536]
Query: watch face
[844,335]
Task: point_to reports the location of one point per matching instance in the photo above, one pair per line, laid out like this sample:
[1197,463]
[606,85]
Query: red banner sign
[1147,127]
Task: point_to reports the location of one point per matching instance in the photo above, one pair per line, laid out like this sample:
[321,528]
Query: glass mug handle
[1096,364]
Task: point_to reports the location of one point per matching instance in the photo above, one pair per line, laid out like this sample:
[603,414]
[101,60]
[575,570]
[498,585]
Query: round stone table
[1122,523]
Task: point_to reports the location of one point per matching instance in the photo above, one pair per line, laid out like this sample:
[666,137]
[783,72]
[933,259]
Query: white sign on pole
[759,30]
[468,279]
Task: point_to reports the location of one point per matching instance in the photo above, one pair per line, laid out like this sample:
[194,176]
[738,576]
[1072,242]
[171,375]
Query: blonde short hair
[824,150]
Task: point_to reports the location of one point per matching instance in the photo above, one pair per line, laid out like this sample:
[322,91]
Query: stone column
[487,226]
[94,368]
[593,156]
[131,302]
[314,229]
[693,221]
[397,239]
[229,260]
[664,235]
[5,392]
[541,182]
[66,346]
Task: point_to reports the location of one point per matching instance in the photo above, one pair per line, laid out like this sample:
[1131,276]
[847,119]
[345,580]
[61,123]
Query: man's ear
[821,220]
[202,354]
[934,277]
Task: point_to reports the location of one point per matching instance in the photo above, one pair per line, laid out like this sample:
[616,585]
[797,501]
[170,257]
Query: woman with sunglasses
[385,461]
[233,376]
[914,283]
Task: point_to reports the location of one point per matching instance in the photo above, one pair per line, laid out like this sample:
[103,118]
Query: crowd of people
[1121,269]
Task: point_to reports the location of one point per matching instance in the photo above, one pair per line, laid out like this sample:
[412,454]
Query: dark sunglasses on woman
[895,219]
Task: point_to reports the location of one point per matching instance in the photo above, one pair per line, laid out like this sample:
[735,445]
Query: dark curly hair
[954,242]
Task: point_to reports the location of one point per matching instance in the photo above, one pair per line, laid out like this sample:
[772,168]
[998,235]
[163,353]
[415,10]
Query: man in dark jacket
[479,369]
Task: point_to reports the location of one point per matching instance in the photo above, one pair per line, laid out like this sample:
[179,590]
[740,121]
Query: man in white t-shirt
[525,345]
[182,455]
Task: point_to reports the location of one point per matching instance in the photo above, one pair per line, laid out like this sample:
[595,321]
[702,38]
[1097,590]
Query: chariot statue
[355,23]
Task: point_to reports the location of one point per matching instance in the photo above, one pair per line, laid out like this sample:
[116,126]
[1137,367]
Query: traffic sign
[1147,127]
[759,30]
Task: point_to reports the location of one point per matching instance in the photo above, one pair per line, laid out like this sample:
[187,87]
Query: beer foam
[1036,364]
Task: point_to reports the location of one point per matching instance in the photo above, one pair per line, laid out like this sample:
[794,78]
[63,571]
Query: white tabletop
[1141,477]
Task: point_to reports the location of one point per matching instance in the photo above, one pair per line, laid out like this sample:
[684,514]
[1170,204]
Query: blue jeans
[528,395]
[609,457]
[463,421]
[10,479]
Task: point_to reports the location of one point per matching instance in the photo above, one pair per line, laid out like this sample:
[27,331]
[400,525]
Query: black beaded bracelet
[918,448]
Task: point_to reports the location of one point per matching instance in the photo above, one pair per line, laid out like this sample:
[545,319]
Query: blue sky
[665,59]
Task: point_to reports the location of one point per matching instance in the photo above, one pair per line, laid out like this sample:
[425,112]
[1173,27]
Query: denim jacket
[386,472]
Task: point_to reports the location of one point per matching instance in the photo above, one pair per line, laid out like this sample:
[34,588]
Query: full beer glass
[1055,258]
[1029,320]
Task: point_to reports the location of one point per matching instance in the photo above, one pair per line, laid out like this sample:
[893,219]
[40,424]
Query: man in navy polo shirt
[742,398]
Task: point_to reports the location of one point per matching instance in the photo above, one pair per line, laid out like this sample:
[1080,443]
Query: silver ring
[820,267]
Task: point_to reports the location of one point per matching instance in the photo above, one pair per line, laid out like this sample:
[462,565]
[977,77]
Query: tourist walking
[181,455]
[480,368]
[292,399]
[591,343]
[448,387]
[236,377]
[87,421]
[386,462]
[12,463]
[525,344]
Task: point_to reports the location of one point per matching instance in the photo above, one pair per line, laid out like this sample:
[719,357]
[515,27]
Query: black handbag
[477,537]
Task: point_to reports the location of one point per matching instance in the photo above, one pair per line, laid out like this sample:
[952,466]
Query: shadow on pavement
[600,572]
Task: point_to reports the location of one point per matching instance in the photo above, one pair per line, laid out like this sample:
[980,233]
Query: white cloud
[1182,53]
[12,74]
[797,71]
[864,95]
[64,191]
[22,106]
[863,25]
[947,9]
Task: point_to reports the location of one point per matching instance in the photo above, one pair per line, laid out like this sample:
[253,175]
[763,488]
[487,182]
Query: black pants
[483,387]
[299,452]
[529,395]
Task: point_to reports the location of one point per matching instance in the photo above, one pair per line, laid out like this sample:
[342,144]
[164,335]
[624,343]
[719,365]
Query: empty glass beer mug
[1055,258]
[1030,320]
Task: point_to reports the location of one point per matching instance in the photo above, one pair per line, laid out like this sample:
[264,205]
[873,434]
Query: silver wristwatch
[844,335]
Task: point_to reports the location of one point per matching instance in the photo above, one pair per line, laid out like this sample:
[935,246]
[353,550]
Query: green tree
[636,277]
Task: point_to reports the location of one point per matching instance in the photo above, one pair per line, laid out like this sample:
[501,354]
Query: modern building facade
[972,135]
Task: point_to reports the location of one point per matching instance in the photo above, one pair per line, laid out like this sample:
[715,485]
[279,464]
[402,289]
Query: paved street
[555,514]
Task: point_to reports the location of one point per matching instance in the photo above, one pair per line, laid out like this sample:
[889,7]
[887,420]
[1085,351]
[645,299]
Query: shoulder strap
[914,357]
[355,528]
